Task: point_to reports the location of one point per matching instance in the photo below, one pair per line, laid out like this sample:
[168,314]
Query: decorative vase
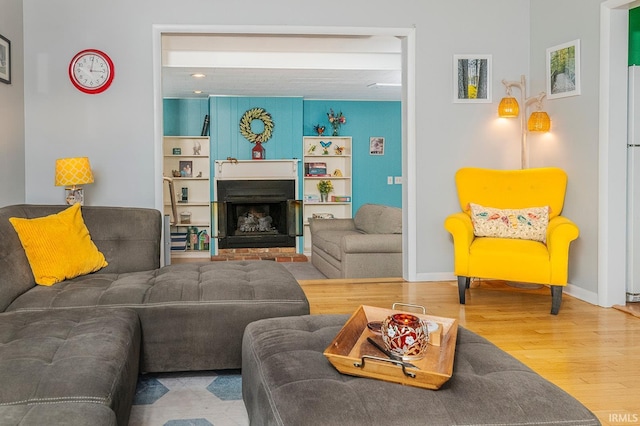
[405,335]
[336,130]
[324,196]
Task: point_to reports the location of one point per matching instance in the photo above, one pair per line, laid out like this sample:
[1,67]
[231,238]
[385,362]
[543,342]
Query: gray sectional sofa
[367,246]
[176,318]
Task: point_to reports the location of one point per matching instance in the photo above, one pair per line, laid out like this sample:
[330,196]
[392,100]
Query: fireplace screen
[254,214]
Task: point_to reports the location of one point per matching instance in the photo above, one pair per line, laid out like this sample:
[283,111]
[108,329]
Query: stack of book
[315,169]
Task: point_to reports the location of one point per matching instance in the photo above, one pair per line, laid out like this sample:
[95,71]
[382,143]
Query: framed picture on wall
[186,169]
[376,145]
[472,78]
[563,70]
[5,60]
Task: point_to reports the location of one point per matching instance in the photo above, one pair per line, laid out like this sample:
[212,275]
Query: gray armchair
[367,246]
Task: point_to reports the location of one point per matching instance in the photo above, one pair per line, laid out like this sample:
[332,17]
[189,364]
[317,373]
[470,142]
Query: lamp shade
[508,108]
[539,121]
[73,171]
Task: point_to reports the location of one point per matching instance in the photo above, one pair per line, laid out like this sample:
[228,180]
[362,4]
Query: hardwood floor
[593,353]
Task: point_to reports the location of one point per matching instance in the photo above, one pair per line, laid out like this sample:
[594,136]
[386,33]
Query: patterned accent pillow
[526,224]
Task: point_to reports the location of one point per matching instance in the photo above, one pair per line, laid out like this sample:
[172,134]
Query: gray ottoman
[286,380]
[71,367]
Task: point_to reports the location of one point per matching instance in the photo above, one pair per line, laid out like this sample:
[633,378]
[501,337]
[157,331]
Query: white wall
[573,142]
[453,135]
[115,129]
[12,110]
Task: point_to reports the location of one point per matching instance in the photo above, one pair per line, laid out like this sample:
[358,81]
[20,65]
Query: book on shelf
[178,241]
[341,198]
[315,169]
[318,175]
[205,126]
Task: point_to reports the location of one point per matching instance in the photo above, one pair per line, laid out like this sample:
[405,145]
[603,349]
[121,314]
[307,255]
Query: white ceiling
[313,67]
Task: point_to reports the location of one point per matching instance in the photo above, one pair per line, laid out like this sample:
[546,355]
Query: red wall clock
[91,71]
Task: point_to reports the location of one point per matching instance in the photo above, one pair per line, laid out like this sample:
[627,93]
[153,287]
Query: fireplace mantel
[256,169]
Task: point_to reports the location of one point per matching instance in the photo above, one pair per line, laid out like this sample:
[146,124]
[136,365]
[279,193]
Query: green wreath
[247,119]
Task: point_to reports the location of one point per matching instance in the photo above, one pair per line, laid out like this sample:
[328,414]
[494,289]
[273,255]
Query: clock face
[91,71]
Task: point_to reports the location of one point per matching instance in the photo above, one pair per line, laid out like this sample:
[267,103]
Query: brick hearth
[278,254]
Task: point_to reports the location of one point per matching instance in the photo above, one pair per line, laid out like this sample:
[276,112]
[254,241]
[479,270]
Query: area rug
[211,398]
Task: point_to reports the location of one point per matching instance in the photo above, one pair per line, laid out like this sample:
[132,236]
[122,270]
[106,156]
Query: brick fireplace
[256,214]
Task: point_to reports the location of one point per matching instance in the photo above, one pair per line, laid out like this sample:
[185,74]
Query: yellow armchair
[512,259]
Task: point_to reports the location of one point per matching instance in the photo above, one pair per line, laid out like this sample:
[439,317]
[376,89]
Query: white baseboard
[582,294]
[436,276]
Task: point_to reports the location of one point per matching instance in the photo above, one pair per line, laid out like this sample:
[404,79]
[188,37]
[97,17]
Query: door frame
[408,43]
[612,176]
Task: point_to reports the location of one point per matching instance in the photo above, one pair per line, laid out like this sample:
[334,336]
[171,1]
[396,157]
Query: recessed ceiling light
[197,92]
[198,75]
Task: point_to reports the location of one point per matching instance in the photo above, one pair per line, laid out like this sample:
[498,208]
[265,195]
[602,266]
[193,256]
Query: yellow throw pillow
[58,246]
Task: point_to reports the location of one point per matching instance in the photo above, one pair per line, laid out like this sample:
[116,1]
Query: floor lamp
[538,121]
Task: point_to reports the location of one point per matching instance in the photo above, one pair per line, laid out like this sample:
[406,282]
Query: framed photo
[186,169]
[563,70]
[376,145]
[5,60]
[472,78]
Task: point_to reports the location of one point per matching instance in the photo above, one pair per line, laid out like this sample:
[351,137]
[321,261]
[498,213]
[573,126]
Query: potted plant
[325,187]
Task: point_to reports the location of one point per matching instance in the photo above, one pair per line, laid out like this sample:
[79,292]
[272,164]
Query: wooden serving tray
[351,353]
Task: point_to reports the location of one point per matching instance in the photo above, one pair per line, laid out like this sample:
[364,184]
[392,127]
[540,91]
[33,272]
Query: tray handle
[393,361]
[424,310]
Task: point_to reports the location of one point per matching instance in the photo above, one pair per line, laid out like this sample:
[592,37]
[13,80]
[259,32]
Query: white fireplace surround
[256,169]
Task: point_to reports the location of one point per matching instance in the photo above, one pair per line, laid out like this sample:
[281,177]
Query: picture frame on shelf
[186,169]
[5,60]
[563,70]
[472,78]
[376,145]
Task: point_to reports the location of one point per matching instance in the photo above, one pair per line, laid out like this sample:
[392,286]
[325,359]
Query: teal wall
[364,120]
[634,36]
[226,140]
[184,117]
[294,118]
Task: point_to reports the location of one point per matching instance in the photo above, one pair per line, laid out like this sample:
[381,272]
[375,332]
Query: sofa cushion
[60,413]
[378,219]
[128,237]
[58,246]
[74,356]
[331,241]
[525,224]
[176,284]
